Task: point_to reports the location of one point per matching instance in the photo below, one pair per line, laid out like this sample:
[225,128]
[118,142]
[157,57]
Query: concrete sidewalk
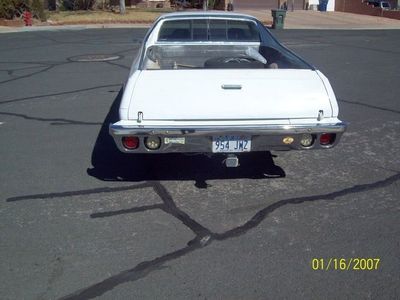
[299,19]
[308,19]
[9,29]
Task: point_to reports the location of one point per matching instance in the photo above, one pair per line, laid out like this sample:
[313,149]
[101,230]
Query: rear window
[219,56]
[209,30]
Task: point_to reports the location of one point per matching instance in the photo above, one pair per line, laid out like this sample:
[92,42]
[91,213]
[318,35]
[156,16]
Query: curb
[6,29]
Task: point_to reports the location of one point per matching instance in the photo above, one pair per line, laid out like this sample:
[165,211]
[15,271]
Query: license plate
[231,143]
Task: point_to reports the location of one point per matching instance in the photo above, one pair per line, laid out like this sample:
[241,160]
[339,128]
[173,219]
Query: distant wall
[393,14]
[272,4]
[143,3]
[263,4]
[358,7]
[331,5]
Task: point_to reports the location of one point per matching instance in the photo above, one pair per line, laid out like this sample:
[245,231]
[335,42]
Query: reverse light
[306,140]
[288,140]
[130,142]
[152,142]
[327,139]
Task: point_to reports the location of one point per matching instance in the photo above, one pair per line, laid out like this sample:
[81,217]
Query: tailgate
[225,94]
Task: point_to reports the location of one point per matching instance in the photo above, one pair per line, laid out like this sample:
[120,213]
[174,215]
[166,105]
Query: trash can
[323,4]
[278,16]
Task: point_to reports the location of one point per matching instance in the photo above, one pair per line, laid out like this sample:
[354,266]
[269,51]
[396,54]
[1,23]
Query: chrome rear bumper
[199,138]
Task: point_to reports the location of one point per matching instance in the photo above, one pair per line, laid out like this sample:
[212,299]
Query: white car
[216,82]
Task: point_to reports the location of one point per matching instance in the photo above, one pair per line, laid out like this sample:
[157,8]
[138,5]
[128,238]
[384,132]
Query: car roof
[205,14]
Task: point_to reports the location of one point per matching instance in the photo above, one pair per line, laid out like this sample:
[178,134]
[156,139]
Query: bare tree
[122,9]
[205,4]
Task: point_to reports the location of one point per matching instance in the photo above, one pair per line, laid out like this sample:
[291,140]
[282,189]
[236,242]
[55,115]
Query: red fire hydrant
[27,15]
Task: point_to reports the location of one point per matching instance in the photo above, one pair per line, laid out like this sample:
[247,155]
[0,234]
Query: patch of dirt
[12,23]
[86,22]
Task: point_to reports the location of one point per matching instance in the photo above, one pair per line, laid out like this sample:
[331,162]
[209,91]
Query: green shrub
[214,4]
[77,4]
[6,9]
[38,10]
[10,9]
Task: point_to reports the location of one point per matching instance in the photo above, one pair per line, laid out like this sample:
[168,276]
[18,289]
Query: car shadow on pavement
[109,164]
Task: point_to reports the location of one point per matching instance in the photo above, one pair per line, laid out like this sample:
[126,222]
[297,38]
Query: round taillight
[152,142]
[130,142]
[306,140]
[327,139]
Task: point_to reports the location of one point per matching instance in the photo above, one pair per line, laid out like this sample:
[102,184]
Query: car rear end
[215,85]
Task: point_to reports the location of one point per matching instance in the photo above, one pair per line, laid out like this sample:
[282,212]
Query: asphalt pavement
[79,220]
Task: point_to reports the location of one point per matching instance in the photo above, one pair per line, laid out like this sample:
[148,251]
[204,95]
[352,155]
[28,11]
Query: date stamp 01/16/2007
[345,264]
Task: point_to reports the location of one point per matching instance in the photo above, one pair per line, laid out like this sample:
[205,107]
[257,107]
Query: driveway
[79,220]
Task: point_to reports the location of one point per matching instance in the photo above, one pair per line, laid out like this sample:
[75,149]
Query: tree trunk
[205,4]
[122,7]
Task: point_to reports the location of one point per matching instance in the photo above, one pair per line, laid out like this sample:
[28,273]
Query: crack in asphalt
[45,65]
[24,62]
[117,65]
[59,94]
[80,192]
[203,236]
[171,208]
[54,121]
[29,75]
[10,72]
[126,211]
[131,49]
[50,65]
[370,106]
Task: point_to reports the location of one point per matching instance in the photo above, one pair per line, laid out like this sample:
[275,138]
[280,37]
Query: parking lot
[79,220]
